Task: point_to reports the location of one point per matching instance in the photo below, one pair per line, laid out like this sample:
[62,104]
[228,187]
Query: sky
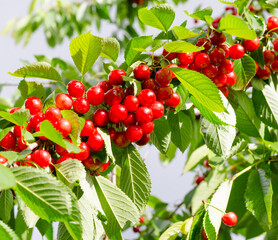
[168,182]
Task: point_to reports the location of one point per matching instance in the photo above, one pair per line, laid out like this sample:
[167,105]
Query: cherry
[95,142]
[275,44]
[220,79]
[272,24]
[3,160]
[36,119]
[114,96]
[129,91]
[198,180]
[226,49]
[147,127]
[230,219]
[193,67]
[84,154]
[88,128]
[174,101]
[169,56]
[185,58]
[64,158]
[42,158]
[53,114]
[81,105]
[202,60]
[204,235]
[14,109]
[92,163]
[141,219]
[131,103]
[144,140]
[150,84]
[269,57]
[117,113]
[157,109]
[17,130]
[34,105]
[130,120]
[142,72]
[216,21]
[136,229]
[163,77]
[8,141]
[274,66]
[226,66]
[112,133]
[183,66]
[146,97]
[236,51]
[100,117]
[217,38]
[105,85]
[134,133]
[210,71]
[264,73]
[115,77]
[75,89]
[21,143]
[164,93]
[121,140]
[62,151]
[251,45]
[224,90]
[231,79]
[104,166]
[206,163]
[95,95]
[63,126]
[257,66]
[172,66]
[144,115]
[217,55]
[205,43]
[63,101]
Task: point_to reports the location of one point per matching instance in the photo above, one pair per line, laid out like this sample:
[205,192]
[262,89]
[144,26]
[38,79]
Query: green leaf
[196,226]
[201,87]
[38,70]
[84,50]
[3,132]
[172,232]
[18,117]
[54,203]
[161,135]
[6,205]
[216,209]
[45,228]
[197,156]
[7,180]
[258,56]
[135,180]
[50,100]
[137,85]
[183,33]
[200,14]
[257,23]
[107,142]
[181,47]
[182,129]
[31,89]
[258,197]
[7,233]
[245,70]
[184,94]
[236,26]
[111,49]
[132,55]
[160,17]
[117,207]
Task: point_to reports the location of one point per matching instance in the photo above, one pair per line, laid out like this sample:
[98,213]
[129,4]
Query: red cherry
[193,67]
[206,163]
[264,73]
[114,96]
[36,119]
[8,141]
[84,154]
[3,160]
[96,142]
[150,84]
[169,56]
[131,103]
[164,93]
[142,72]
[121,140]
[198,180]
[115,77]
[163,77]
[269,57]
[129,91]
[147,127]
[202,60]
[76,89]
[14,109]
[272,24]
[130,120]
[112,133]
[229,219]
[105,85]
[224,90]
[236,51]
[220,79]
[204,235]
[34,105]
[62,151]
[172,66]
[104,166]
[231,79]
[134,133]
[217,38]
[217,55]
[174,101]
[146,97]
[136,229]
[100,117]
[205,43]
[183,66]
[216,21]
[92,163]
[63,126]
[53,114]
[210,71]
[144,115]
[21,143]
[157,109]
[17,130]
[141,219]
[81,105]
[64,158]
[95,95]
[226,66]
[257,66]
[144,140]
[117,113]
[88,128]
[185,58]
[251,45]
[275,44]
[274,66]
[226,49]
[42,158]
[63,101]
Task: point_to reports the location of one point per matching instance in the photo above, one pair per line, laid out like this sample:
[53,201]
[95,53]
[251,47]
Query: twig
[175,210]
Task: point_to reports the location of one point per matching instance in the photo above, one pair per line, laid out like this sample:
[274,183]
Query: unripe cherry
[75,89]
[142,72]
[63,101]
[115,77]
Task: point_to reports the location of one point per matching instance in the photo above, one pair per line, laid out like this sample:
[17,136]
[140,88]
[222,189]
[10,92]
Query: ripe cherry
[76,89]
[231,79]
[210,71]
[92,163]
[204,235]
[34,105]
[144,115]
[141,219]
[169,56]
[144,140]
[121,140]
[206,163]
[21,143]
[95,95]
[8,141]
[224,90]
[104,166]
[63,101]
[14,109]
[216,21]
[36,119]
[251,45]
[117,113]
[62,151]
[272,24]
[198,180]
[150,84]
[112,133]
[134,133]
[269,57]
[220,79]
[100,117]
[88,128]
[174,101]
[131,103]
[164,93]
[275,44]
[105,85]
[64,158]
[81,105]
[217,38]
[17,130]
[96,142]
[129,91]
[114,96]
[202,60]
[226,66]
[53,114]
[136,229]
[130,120]
[163,77]
[185,58]
[142,72]
[115,77]
[3,160]
[42,158]
[147,127]
[193,67]
[274,66]
[157,109]
[205,43]
[146,97]
[226,49]
[264,73]
[236,51]
[217,55]
[84,154]
[63,126]
[230,219]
